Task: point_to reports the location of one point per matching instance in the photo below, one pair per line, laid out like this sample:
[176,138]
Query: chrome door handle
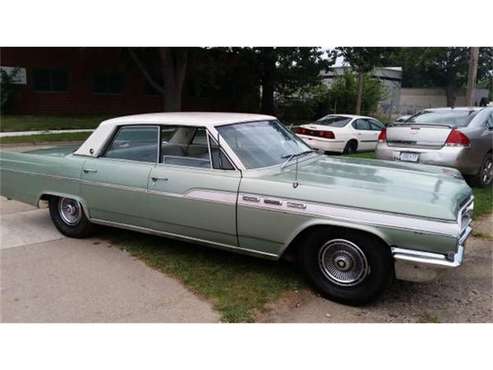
[157,178]
[89,170]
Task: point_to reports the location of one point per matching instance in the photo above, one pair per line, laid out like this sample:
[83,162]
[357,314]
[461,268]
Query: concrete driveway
[45,277]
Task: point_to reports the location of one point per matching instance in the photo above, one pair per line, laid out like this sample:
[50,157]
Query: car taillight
[300,130]
[382,137]
[326,134]
[457,138]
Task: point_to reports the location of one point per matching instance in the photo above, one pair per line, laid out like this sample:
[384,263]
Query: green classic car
[245,183]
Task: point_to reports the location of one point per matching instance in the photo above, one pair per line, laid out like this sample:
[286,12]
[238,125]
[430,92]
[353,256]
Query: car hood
[405,188]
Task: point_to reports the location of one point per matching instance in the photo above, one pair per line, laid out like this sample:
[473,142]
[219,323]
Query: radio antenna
[295,183]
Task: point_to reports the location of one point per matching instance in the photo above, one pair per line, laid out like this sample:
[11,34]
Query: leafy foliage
[343,93]
[7,89]
[444,67]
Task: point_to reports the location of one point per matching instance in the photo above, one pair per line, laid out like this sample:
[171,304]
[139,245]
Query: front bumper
[419,266]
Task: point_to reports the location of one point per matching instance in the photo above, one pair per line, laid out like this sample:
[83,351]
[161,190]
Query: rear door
[114,185]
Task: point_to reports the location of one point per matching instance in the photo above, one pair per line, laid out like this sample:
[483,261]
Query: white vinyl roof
[187,118]
[95,143]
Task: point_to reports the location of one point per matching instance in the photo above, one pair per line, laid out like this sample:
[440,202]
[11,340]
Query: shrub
[7,89]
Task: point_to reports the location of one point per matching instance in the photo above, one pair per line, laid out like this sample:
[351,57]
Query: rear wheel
[69,218]
[347,266]
[351,147]
[484,177]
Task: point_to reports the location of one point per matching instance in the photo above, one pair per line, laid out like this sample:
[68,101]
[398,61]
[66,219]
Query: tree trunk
[173,68]
[472,75]
[268,66]
[359,98]
[451,93]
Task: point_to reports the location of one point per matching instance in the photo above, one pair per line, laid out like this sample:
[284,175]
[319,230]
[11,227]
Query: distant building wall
[414,100]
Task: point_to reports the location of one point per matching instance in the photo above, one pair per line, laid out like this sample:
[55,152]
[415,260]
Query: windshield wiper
[294,155]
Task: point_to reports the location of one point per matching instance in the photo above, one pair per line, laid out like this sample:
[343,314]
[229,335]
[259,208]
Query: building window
[108,83]
[50,80]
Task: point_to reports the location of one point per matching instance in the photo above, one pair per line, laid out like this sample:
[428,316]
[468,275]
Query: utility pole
[471,75]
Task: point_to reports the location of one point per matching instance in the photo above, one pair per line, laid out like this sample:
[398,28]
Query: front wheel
[69,218]
[347,266]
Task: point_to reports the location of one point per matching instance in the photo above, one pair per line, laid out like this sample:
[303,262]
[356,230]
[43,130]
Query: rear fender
[46,194]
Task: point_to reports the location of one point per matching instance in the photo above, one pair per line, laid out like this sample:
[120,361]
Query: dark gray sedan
[453,137]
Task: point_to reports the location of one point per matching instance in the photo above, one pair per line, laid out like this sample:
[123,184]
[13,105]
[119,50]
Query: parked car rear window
[451,117]
[334,121]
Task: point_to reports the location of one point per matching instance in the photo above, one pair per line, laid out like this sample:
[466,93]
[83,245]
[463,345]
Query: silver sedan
[453,137]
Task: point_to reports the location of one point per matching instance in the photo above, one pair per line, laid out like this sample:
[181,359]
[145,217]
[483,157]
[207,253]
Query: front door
[114,185]
[188,195]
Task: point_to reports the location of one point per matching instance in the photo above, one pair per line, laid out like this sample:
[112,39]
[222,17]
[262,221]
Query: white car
[341,133]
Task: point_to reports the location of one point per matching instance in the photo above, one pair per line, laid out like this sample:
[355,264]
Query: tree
[285,70]
[439,67]
[472,75]
[363,60]
[344,91]
[7,89]
[173,67]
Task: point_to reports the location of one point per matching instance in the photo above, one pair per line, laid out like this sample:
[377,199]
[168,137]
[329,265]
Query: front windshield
[334,121]
[262,143]
[450,117]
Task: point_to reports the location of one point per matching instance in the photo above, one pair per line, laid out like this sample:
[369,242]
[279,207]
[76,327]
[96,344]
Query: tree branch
[144,71]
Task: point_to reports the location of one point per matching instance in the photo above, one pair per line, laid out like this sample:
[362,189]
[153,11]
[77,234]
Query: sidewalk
[46,277]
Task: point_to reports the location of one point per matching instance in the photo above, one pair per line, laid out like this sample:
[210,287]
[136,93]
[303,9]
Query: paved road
[45,277]
[461,295]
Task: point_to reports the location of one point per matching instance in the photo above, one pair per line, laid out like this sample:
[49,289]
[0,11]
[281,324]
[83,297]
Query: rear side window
[458,118]
[135,144]
[489,122]
[361,124]
[333,121]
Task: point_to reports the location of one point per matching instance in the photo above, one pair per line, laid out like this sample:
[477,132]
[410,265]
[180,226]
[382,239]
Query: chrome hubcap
[70,211]
[343,262]
[488,172]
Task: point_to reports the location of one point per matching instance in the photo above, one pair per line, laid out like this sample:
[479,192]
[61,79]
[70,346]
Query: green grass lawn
[239,286]
[10,123]
[34,139]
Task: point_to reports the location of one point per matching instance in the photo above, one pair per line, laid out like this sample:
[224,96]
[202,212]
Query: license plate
[409,157]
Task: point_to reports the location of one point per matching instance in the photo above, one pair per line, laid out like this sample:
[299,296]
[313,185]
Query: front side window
[135,144]
[376,125]
[262,143]
[50,80]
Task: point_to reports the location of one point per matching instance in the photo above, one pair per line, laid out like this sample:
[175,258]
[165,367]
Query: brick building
[77,81]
